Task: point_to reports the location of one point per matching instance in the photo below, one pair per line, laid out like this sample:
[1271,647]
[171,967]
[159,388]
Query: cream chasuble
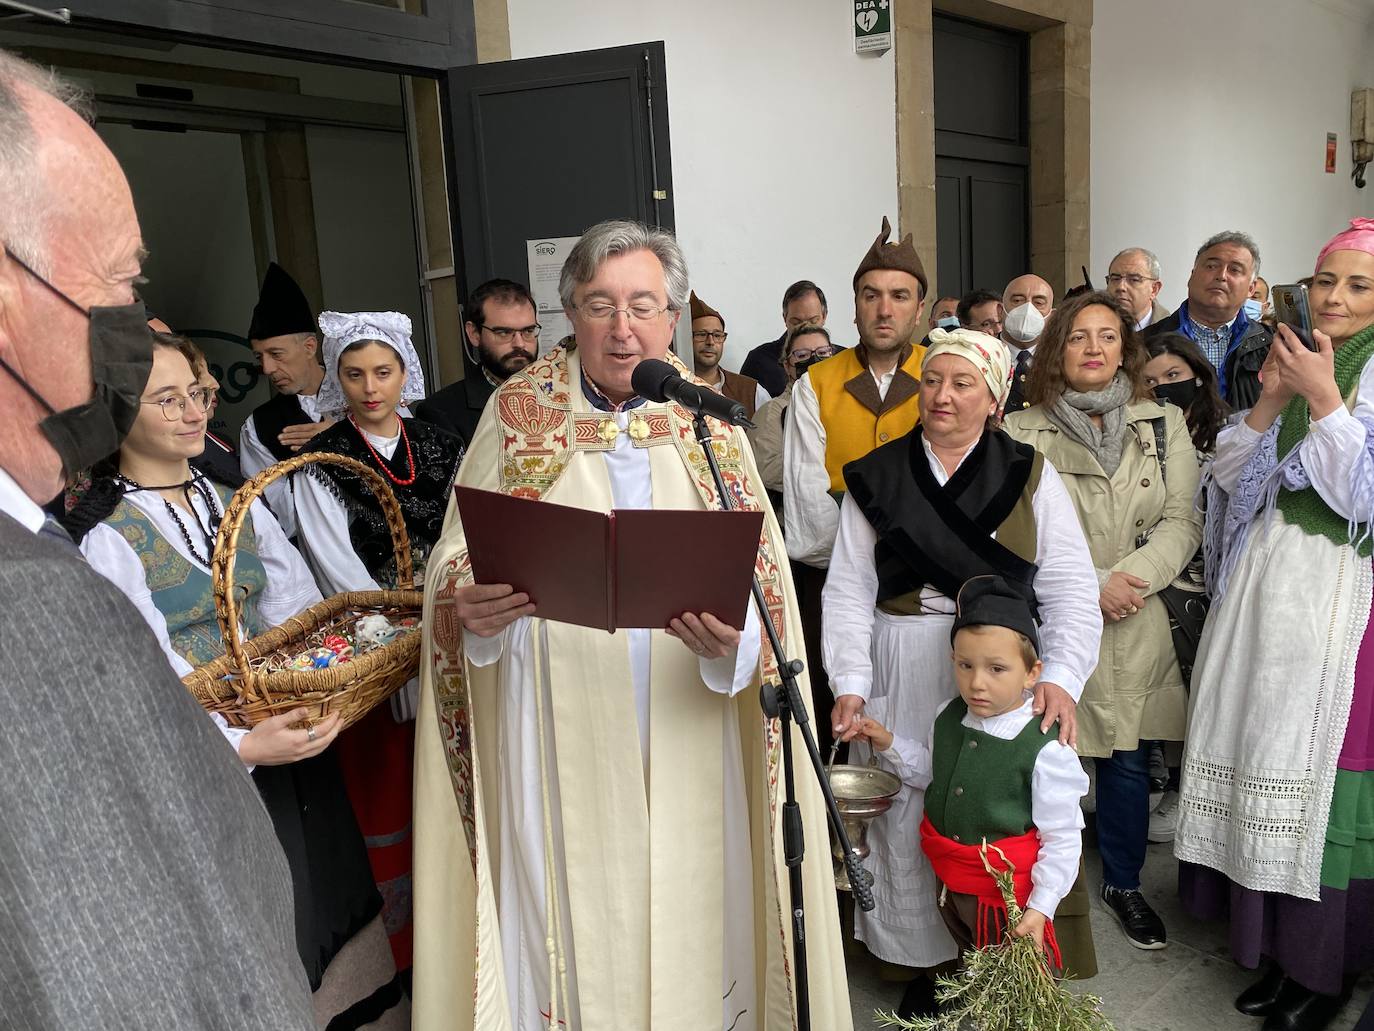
[657,794]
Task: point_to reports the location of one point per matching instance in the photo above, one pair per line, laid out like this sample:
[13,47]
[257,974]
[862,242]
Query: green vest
[1305,508]
[182,591]
[981,786]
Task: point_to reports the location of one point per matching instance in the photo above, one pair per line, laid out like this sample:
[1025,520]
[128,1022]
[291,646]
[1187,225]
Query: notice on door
[546,257]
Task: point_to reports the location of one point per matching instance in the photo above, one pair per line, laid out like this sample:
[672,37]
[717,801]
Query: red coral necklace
[381,464]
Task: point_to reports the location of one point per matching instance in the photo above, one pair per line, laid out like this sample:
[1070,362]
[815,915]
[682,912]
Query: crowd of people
[1040,558]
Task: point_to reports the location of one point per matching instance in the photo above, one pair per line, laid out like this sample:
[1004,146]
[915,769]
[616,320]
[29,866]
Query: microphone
[658,381]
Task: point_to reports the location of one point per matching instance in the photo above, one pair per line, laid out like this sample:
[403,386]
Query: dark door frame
[339,31]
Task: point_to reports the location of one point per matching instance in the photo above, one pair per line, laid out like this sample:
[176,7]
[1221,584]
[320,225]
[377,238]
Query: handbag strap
[1161,448]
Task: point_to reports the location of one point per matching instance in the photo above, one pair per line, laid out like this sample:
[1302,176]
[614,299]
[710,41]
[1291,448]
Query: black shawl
[936,536]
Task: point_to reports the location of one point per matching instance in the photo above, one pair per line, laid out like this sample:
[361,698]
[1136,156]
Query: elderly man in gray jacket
[141,883]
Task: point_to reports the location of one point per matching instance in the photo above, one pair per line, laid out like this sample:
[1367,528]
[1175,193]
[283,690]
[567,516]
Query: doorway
[982,156]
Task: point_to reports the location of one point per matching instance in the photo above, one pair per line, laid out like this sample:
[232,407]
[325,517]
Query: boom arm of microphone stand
[860,880]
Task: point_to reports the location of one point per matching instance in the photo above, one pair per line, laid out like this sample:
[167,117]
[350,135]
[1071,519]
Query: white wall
[1211,116]
[783,141]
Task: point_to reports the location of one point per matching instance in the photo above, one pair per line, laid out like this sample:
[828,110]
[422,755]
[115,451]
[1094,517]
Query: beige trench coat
[1136,693]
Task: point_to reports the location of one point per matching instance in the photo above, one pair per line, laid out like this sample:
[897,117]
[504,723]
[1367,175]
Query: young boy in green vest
[989,774]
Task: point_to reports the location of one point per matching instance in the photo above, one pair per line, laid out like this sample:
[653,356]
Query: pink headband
[1359,237]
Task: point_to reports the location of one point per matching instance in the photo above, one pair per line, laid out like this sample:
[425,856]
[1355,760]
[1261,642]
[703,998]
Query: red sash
[960,868]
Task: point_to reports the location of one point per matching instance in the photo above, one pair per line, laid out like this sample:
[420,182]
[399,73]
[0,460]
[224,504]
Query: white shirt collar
[1012,720]
[18,505]
[1145,319]
[937,467]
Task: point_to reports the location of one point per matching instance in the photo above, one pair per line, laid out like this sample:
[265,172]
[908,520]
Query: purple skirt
[1318,944]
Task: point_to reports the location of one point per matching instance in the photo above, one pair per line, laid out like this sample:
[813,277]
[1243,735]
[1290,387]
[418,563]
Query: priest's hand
[487,609]
[295,437]
[274,742]
[1056,704]
[846,718]
[707,636]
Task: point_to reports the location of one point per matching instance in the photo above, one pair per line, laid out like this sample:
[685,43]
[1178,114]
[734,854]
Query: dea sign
[872,26]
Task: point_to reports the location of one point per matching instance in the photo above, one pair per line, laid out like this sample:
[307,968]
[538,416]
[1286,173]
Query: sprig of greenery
[1007,986]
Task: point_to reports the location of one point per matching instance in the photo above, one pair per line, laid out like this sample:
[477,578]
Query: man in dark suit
[141,882]
[503,337]
[803,304]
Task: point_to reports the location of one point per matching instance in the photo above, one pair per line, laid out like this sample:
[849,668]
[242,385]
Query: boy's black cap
[991,601]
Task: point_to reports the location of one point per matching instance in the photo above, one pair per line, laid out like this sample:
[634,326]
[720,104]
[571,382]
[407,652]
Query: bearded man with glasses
[502,338]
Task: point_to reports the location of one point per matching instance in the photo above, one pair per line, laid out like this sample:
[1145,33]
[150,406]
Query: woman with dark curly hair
[1094,419]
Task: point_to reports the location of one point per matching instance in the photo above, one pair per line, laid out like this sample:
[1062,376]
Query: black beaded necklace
[207,534]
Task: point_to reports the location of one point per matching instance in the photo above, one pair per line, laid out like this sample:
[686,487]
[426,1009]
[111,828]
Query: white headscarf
[388,327]
[988,355]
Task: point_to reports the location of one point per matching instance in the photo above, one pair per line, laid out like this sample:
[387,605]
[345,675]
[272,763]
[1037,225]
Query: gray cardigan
[141,883]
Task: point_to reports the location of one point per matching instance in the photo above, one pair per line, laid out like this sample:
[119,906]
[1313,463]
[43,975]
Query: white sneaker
[1089,802]
[1164,819]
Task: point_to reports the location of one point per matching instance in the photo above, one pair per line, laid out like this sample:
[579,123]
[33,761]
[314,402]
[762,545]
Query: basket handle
[226,544]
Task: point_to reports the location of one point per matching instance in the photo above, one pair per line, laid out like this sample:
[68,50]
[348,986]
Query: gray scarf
[1073,408]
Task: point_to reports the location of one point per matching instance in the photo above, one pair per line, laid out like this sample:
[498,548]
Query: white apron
[905,926]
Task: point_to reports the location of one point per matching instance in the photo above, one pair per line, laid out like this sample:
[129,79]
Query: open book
[628,568]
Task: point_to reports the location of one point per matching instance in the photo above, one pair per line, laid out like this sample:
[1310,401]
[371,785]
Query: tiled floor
[1189,986]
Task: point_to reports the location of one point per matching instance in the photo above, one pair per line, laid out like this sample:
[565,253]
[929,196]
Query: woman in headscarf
[953,499]
[1093,416]
[371,369]
[148,522]
[1278,774]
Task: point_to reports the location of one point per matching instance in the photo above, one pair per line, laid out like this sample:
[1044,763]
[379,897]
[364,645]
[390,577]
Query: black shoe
[1298,1009]
[1144,929]
[919,999]
[1260,998]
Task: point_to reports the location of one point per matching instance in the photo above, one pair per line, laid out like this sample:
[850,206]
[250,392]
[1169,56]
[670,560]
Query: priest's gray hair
[619,236]
[23,194]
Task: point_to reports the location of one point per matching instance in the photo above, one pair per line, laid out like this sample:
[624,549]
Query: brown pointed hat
[899,256]
[700,309]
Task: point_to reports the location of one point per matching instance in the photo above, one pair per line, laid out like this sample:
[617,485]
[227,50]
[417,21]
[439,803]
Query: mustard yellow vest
[856,420]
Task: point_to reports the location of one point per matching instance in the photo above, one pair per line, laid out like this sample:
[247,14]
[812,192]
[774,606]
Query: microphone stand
[785,704]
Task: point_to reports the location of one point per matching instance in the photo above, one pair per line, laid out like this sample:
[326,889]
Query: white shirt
[761,396]
[1144,320]
[810,514]
[1331,452]
[1057,784]
[1066,586]
[254,458]
[16,504]
[289,591]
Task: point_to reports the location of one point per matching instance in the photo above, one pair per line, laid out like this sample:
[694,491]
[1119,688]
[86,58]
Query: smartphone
[1291,307]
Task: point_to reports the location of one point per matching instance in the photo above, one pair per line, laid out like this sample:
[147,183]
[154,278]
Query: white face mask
[1024,323]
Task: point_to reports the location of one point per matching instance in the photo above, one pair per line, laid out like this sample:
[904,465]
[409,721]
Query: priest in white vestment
[598,816]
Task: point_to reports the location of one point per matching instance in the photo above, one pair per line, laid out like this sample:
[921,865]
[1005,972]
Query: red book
[628,568]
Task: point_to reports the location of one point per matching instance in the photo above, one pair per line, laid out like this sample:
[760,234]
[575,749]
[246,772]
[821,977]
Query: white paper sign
[546,259]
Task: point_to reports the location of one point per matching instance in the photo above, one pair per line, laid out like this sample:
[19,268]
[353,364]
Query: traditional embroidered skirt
[1316,942]
[376,755]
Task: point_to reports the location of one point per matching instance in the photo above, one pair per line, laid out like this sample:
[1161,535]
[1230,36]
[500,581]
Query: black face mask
[121,361]
[1180,393]
[815,359]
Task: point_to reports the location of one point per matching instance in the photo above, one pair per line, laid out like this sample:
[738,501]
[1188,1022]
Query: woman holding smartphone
[1279,764]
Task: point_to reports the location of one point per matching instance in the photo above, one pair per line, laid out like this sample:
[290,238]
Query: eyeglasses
[700,336]
[604,311]
[506,334]
[1133,278]
[802,354]
[991,326]
[796,323]
[174,405]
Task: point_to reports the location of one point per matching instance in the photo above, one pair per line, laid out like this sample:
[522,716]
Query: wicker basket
[245,695]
